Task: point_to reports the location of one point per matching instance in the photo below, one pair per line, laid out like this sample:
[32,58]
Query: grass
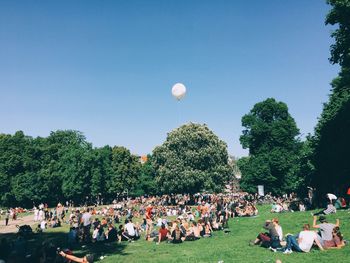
[231,247]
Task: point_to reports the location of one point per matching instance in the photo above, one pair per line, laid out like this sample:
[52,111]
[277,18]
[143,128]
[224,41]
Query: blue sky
[106,68]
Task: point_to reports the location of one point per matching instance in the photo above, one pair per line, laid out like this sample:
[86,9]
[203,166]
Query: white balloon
[178,91]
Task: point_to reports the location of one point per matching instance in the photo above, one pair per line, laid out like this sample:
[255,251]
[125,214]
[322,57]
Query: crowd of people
[11,213]
[175,218]
[181,218]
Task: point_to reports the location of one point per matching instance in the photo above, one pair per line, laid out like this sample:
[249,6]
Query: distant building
[143,159]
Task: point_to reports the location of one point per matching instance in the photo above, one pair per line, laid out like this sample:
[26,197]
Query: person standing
[36,214]
[7,217]
[86,219]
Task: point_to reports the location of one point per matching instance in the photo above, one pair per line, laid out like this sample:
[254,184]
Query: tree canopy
[191,159]
[330,144]
[63,166]
[270,134]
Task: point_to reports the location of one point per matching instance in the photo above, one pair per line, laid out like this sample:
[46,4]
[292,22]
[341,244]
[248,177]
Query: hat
[322,219]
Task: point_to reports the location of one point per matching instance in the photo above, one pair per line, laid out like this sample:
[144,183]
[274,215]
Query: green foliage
[331,143]
[192,159]
[63,166]
[124,173]
[101,169]
[146,181]
[340,15]
[30,187]
[270,134]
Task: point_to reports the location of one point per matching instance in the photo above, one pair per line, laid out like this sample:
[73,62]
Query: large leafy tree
[192,159]
[125,169]
[69,162]
[331,141]
[270,134]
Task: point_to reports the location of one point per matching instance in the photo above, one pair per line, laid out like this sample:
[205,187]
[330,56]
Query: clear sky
[106,68]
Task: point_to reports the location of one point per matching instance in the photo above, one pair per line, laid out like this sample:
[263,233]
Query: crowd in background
[174,219]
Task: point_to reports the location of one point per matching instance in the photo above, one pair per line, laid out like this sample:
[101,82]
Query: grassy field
[231,247]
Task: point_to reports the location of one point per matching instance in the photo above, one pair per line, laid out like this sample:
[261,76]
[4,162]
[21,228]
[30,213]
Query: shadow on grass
[30,249]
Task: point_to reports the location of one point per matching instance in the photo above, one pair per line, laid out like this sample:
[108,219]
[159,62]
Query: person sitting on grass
[208,230]
[177,236]
[337,241]
[270,239]
[193,233]
[162,235]
[111,233]
[129,231]
[56,223]
[278,228]
[121,237]
[303,242]
[340,203]
[325,229]
[98,235]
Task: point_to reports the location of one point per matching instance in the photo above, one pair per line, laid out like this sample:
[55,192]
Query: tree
[146,181]
[270,134]
[101,170]
[63,166]
[331,143]
[191,159]
[30,187]
[124,172]
[339,15]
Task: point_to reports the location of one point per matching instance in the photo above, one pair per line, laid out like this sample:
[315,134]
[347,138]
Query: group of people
[11,213]
[151,221]
[49,218]
[180,218]
[324,234]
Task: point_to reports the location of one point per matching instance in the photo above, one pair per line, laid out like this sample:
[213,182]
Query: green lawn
[232,247]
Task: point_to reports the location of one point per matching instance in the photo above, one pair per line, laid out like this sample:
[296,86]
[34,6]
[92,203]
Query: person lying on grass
[86,259]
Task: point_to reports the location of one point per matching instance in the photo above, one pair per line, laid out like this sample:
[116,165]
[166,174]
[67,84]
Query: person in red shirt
[163,234]
[149,212]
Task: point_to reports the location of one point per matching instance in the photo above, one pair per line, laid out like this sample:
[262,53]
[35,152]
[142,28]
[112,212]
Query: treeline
[64,166]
